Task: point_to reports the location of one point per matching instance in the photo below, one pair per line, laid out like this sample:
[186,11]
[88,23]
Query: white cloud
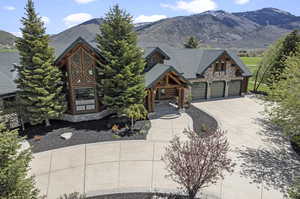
[18,34]
[193,6]
[77,18]
[84,1]
[46,20]
[10,8]
[241,2]
[152,18]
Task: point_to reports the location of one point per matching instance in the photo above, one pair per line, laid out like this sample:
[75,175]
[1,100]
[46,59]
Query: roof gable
[208,61]
[193,62]
[157,72]
[149,51]
[78,41]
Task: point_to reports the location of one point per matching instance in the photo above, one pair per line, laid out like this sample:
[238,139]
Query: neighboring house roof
[193,62]
[157,72]
[7,74]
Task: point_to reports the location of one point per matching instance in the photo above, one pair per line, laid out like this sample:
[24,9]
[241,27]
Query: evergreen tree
[39,82]
[14,167]
[121,80]
[192,42]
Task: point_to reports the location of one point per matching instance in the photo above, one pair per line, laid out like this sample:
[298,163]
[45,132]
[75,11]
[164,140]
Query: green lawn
[252,63]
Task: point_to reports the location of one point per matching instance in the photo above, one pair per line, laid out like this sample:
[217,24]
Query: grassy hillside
[7,39]
[252,63]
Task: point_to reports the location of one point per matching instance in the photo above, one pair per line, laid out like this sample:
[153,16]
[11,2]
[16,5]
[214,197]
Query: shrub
[72,196]
[115,128]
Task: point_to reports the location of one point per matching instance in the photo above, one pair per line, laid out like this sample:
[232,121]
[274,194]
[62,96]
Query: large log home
[170,74]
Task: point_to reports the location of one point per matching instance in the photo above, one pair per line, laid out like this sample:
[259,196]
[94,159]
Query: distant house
[170,74]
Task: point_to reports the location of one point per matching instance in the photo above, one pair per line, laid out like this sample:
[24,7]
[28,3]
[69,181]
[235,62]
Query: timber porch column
[181,97]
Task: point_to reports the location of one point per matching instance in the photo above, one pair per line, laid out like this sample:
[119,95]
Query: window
[85,99]
[220,66]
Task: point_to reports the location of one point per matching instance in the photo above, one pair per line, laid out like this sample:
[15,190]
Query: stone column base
[86,117]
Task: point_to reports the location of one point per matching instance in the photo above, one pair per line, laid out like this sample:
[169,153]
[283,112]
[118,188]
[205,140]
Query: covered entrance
[164,86]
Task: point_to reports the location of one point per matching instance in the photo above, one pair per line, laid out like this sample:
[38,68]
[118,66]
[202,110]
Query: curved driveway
[135,166]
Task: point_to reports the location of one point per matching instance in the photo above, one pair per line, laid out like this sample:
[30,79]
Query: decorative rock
[24,145]
[66,136]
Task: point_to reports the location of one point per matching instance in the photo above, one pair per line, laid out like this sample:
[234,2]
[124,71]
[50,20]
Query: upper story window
[220,67]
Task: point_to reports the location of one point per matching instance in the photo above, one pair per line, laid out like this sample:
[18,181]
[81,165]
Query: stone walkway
[136,166]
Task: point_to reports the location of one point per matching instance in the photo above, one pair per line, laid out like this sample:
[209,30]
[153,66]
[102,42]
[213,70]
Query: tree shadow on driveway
[275,165]
[271,133]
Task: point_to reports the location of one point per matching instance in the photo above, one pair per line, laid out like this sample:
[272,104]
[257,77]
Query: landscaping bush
[120,121]
[72,196]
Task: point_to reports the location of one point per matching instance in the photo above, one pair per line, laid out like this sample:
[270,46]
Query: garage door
[217,89]
[199,90]
[234,88]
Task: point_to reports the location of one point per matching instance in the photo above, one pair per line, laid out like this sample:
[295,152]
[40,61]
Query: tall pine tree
[14,167]
[39,82]
[121,80]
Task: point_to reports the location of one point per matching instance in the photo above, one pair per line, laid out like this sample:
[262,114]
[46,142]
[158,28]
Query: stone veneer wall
[209,76]
[86,117]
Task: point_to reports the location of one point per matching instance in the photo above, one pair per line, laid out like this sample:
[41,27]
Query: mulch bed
[201,119]
[43,138]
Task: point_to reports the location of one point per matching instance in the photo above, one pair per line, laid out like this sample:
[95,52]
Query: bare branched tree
[199,161]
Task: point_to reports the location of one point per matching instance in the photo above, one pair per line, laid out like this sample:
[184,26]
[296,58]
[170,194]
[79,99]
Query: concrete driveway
[135,166]
[110,167]
[265,161]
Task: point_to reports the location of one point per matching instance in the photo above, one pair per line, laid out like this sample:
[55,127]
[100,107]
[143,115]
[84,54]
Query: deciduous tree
[199,161]
[283,105]
[273,62]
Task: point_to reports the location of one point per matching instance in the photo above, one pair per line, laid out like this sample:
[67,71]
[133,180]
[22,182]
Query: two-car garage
[217,89]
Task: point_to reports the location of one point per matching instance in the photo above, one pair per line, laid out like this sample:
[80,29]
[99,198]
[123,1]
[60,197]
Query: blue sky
[61,14]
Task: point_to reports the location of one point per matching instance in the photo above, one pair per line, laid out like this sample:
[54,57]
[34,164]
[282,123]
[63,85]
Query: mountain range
[246,30]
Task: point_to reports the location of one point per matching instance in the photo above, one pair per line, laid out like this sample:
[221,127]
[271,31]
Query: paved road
[135,166]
